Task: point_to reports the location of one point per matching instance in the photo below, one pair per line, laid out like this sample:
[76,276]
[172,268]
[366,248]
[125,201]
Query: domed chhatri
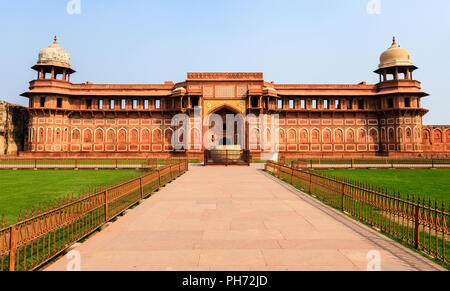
[395,56]
[54,55]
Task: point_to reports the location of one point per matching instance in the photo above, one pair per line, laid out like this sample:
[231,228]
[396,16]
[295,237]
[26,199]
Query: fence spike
[26,214]
[20,216]
[3,221]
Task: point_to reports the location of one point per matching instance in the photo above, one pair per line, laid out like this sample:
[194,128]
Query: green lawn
[20,190]
[434,184]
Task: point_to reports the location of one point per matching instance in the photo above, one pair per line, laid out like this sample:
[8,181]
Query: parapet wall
[436,139]
[13,128]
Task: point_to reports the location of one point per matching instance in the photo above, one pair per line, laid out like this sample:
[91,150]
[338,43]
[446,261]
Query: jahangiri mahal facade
[383,119]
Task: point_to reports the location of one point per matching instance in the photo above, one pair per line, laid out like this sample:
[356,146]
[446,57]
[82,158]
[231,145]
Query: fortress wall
[13,129]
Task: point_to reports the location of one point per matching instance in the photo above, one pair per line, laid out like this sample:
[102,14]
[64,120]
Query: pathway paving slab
[237,219]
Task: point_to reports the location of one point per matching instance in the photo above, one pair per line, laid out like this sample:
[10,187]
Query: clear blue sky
[291,41]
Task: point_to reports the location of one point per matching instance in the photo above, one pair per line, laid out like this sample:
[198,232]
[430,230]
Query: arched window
[282,136]
[350,136]
[122,136]
[327,136]
[58,135]
[87,136]
[437,136]
[426,137]
[408,135]
[292,136]
[110,136]
[315,136]
[373,136]
[76,136]
[338,136]
[361,136]
[99,136]
[41,135]
[304,136]
[134,136]
[168,137]
[145,137]
[391,135]
[156,136]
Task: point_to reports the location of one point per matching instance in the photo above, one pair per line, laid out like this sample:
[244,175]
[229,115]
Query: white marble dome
[54,55]
[395,56]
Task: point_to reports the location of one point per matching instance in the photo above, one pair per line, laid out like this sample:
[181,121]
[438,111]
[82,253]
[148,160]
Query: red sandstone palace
[383,119]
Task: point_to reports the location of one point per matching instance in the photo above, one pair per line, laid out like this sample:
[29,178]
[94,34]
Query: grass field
[20,190]
[434,184]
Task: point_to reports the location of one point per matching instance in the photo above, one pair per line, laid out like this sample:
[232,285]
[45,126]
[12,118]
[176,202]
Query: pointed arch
[76,135]
[134,136]
[373,136]
[157,136]
[282,136]
[315,136]
[292,136]
[350,136]
[304,136]
[362,135]
[326,136]
[99,136]
[408,135]
[58,135]
[391,135]
[145,136]
[87,135]
[338,136]
[437,136]
[111,136]
[122,136]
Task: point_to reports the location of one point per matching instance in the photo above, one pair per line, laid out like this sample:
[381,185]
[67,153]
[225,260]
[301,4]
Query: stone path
[237,218]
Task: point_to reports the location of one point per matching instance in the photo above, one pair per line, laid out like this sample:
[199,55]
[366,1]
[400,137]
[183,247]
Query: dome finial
[56,39]
[394,41]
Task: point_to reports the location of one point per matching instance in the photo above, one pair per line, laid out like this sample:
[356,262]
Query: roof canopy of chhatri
[395,56]
[54,55]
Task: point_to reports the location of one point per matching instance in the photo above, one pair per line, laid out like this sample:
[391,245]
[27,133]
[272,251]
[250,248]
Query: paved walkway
[237,218]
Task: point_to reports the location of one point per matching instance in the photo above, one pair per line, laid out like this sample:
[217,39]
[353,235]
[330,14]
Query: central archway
[223,139]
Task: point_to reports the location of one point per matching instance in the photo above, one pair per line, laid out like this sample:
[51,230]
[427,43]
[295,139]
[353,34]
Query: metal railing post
[416,227]
[292,173]
[106,206]
[343,197]
[141,188]
[12,249]
[310,183]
